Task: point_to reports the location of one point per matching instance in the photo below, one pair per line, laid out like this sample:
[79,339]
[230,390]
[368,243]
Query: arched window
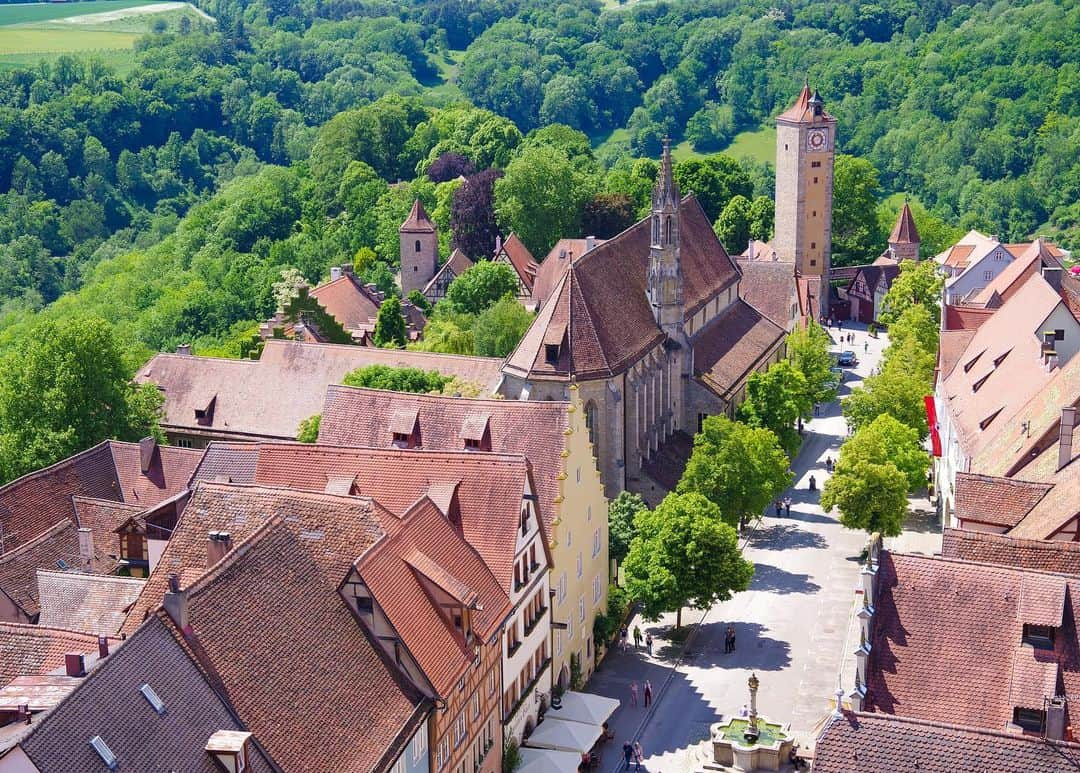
[656,229]
[418,245]
[590,421]
[670,237]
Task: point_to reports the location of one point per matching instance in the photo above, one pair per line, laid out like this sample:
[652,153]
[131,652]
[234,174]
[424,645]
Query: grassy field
[759,145]
[28,13]
[27,40]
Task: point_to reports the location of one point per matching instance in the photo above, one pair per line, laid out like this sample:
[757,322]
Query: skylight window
[104,752]
[152,698]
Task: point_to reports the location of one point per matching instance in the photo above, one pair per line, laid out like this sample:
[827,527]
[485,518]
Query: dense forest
[296,135]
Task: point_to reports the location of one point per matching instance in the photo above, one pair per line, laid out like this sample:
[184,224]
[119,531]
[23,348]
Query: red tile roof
[108,703]
[601,302]
[27,650]
[996,501]
[1057,509]
[269,397]
[336,530]
[878,742]
[95,603]
[966,317]
[957,255]
[565,252]
[349,302]
[947,638]
[417,221]
[1014,275]
[1006,550]
[951,346]
[800,111]
[363,417]
[904,232]
[769,286]
[733,344]
[520,259]
[489,486]
[268,624]
[423,544]
[168,474]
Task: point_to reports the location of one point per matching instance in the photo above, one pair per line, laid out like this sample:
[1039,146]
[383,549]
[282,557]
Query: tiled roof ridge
[522,405]
[209,485]
[116,578]
[110,502]
[933,723]
[215,358]
[492,457]
[238,551]
[984,565]
[104,444]
[278,343]
[52,531]
[986,477]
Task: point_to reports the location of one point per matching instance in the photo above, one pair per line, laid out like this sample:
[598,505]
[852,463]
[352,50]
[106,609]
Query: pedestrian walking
[639,754]
[787,506]
[729,639]
[828,463]
[628,752]
[778,505]
[637,637]
[622,638]
[646,691]
[813,483]
[648,642]
[865,347]
[633,693]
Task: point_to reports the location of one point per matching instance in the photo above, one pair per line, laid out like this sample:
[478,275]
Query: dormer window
[1041,637]
[476,432]
[551,353]
[205,416]
[1030,719]
[1001,358]
[971,363]
[405,428]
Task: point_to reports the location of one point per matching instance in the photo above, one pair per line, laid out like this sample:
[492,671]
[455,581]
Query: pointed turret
[419,240]
[418,221]
[904,239]
[665,280]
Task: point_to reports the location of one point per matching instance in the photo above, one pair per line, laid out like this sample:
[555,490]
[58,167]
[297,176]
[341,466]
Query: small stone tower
[805,147]
[665,280]
[419,250]
[904,239]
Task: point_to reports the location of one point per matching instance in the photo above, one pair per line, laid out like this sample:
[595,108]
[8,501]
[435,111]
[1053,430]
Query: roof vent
[62,565]
[104,752]
[152,698]
[74,664]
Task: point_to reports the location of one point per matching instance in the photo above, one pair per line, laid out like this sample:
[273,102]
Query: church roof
[802,110]
[598,313]
[417,221]
[904,232]
[732,345]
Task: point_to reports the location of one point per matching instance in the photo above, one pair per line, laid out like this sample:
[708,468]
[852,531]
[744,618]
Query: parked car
[847,359]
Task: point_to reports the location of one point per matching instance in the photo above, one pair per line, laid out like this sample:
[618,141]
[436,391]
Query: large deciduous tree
[917,283]
[870,496]
[390,330]
[897,391]
[64,388]
[622,510]
[608,214]
[733,226]
[887,440]
[684,554]
[856,235]
[739,468]
[498,328]
[714,180]
[481,286]
[396,379]
[808,351]
[776,400]
[472,214]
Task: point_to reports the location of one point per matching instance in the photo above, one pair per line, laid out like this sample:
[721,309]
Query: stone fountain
[749,743]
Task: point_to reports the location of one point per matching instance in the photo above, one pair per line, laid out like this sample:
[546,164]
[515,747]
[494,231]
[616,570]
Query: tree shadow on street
[753,650]
[773,579]
[785,536]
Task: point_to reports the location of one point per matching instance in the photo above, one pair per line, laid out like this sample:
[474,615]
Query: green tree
[776,400]
[542,196]
[870,496]
[622,510]
[856,234]
[418,299]
[396,379]
[714,180]
[762,218]
[447,333]
[739,468]
[684,554]
[481,286]
[808,351]
[64,388]
[308,431]
[499,328]
[887,440]
[733,226]
[917,283]
[390,325]
[915,323]
[897,391]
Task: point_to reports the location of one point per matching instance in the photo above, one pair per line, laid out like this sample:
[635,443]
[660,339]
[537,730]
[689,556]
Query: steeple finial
[666,192]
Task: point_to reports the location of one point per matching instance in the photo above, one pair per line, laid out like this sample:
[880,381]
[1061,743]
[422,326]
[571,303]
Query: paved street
[790,626]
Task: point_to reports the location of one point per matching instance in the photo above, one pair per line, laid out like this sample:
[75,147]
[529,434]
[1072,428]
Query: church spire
[666,192]
[665,280]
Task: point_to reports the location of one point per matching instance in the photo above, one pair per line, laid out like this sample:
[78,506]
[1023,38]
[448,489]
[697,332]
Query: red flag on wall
[931,422]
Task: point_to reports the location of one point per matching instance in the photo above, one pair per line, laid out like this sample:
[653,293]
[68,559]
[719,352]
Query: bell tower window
[417,246]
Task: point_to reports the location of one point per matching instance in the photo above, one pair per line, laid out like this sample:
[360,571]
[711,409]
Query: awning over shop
[584,707]
[547,761]
[564,736]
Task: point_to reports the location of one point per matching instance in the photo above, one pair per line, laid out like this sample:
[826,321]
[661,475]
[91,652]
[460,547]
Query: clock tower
[805,147]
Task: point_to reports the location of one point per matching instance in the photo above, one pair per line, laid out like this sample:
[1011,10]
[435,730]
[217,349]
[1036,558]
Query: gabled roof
[801,110]
[95,603]
[1014,275]
[1057,509]
[1004,549]
[947,639]
[996,501]
[349,302]
[456,265]
[423,544]
[269,397]
[862,741]
[28,650]
[875,273]
[417,221]
[520,259]
[904,232]
[565,252]
[336,529]
[770,287]
[109,704]
[601,304]
[226,462]
[732,345]
[269,627]
[364,417]
[966,317]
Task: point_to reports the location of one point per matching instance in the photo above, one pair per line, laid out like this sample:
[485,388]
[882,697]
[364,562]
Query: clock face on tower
[817,139]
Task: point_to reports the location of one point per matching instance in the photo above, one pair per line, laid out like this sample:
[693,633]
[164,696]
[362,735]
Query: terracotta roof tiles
[26,650]
[1007,550]
[417,221]
[951,346]
[95,603]
[769,286]
[800,111]
[1057,509]
[904,232]
[520,259]
[733,344]
[996,501]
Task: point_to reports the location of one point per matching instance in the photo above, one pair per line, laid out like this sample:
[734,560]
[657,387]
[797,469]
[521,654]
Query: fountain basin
[770,751]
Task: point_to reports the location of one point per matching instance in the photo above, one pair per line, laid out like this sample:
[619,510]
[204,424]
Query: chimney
[1056,711]
[590,243]
[498,244]
[335,273]
[86,548]
[184,349]
[218,544]
[1065,435]
[24,712]
[750,249]
[175,603]
[1052,275]
[346,269]
[102,647]
[75,664]
[147,448]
